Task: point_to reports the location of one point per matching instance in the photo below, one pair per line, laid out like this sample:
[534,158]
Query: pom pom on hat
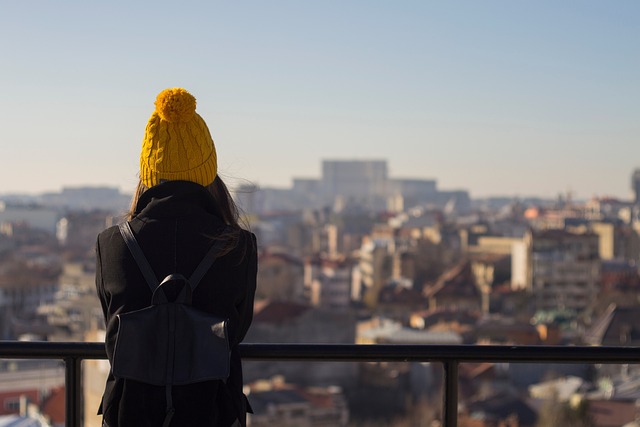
[175,105]
[177,144]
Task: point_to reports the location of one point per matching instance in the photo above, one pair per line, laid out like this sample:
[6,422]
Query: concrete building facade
[562,269]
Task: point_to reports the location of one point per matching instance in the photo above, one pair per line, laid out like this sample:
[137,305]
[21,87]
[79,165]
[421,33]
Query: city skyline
[241,184]
[495,98]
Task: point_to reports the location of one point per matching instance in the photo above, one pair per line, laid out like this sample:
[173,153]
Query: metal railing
[73,353]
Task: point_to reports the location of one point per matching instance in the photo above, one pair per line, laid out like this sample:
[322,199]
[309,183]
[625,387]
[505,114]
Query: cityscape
[358,256]
[448,175]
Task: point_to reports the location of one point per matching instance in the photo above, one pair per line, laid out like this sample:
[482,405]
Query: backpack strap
[207,262]
[138,255]
[147,271]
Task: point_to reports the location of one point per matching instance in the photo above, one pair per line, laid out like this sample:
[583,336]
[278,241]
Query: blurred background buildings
[356,256]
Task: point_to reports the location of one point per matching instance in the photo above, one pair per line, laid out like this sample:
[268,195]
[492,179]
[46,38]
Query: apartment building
[374,268]
[560,268]
[328,282]
[617,241]
[35,216]
[280,277]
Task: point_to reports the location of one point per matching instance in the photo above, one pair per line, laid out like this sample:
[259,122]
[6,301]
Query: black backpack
[170,342]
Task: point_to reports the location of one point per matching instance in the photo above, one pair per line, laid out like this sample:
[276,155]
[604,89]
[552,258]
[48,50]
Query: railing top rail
[356,352]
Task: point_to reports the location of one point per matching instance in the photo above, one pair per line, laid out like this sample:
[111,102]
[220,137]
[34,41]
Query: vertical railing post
[73,392]
[450,404]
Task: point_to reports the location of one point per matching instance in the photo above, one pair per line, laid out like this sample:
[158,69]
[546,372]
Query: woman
[180,209]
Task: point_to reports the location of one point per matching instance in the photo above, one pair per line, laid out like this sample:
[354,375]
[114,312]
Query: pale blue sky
[497,97]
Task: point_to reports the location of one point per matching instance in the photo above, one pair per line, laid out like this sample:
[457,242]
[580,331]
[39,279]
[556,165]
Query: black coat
[174,224]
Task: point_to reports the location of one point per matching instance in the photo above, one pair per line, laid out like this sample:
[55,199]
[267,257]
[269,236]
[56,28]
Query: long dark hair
[228,209]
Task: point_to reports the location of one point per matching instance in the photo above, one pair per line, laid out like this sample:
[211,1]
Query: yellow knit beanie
[177,144]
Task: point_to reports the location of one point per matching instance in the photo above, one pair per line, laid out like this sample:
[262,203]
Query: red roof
[54,407]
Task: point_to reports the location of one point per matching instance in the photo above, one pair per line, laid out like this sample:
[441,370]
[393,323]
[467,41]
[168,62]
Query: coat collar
[176,198]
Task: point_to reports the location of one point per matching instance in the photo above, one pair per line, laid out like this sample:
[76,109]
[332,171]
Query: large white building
[362,185]
[361,181]
[39,217]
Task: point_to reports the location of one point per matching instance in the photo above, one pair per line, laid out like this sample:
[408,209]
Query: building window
[12,404]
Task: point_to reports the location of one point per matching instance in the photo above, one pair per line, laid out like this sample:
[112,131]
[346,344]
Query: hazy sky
[497,97]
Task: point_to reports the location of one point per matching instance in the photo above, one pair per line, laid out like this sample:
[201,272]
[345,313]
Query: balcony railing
[449,355]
